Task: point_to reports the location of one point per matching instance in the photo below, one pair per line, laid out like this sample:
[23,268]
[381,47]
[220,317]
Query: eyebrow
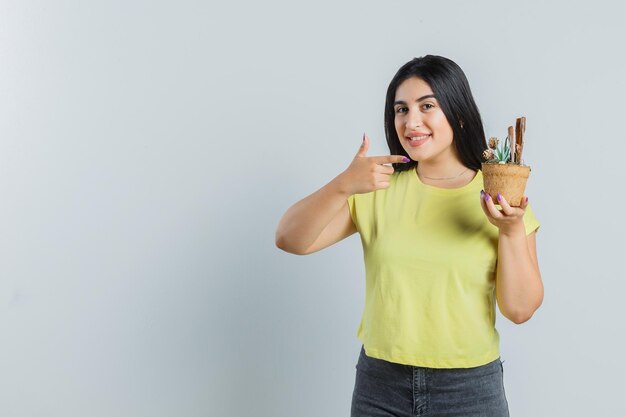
[418,100]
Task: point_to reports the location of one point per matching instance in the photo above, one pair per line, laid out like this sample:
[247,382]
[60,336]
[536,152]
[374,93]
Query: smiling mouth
[418,140]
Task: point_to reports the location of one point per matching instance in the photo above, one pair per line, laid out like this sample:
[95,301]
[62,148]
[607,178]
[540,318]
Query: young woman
[438,252]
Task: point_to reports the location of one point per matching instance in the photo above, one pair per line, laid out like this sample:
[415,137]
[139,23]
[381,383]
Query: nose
[413,119]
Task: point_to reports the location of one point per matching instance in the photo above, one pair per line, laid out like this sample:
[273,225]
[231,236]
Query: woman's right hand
[367,173]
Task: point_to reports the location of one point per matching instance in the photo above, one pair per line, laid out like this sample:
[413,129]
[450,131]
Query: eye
[427,108]
[400,108]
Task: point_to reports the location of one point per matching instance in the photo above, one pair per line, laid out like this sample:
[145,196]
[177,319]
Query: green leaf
[507,153]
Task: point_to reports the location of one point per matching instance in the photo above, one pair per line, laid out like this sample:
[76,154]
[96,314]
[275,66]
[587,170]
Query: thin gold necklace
[444,178]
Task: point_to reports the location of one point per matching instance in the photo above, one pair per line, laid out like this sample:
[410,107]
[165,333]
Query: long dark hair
[453,93]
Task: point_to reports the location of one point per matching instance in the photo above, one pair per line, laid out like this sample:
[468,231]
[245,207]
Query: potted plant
[504,171]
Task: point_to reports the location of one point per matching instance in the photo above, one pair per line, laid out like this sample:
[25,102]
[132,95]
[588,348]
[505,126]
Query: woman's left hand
[509,219]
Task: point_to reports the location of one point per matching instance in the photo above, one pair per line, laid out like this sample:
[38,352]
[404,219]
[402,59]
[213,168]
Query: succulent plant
[498,151]
[503,152]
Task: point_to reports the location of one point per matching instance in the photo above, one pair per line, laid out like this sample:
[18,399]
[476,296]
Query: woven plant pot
[507,179]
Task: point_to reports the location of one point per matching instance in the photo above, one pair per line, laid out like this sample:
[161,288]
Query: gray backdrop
[148,150]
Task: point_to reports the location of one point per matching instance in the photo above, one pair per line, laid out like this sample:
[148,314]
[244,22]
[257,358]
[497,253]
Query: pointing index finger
[387,159]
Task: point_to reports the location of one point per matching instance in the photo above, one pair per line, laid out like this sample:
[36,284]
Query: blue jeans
[385,388]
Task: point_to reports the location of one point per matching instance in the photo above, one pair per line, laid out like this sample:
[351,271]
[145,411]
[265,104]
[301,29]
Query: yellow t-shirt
[430,263]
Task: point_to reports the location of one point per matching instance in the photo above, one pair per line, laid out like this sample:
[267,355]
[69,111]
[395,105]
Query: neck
[462,178]
[441,171]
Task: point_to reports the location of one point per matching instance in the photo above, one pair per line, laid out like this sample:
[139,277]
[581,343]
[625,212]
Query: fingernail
[499,197]
[482,194]
[405,159]
[526,199]
[363,136]
[487,197]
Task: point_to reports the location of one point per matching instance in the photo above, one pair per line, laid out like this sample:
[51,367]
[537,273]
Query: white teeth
[418,137]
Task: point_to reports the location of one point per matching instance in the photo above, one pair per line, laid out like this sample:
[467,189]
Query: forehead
[411,89]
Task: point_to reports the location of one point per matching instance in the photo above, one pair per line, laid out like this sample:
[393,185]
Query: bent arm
[317,221]
[519,289]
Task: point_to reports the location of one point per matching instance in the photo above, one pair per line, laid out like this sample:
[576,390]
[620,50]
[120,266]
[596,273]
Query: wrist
[513,230]
[339,186]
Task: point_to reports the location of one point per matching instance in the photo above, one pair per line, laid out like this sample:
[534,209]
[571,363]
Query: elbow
[277,239]
[521,316]
[523,313]
[282,245]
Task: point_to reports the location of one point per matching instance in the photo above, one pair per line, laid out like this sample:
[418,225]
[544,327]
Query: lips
[414,133]
[423,138]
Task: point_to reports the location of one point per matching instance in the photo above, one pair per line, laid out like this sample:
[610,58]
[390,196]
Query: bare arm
[323,218]
[519,289]
[317,221]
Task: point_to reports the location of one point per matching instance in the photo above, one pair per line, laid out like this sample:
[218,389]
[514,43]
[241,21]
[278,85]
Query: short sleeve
[530,221]
[352,208]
